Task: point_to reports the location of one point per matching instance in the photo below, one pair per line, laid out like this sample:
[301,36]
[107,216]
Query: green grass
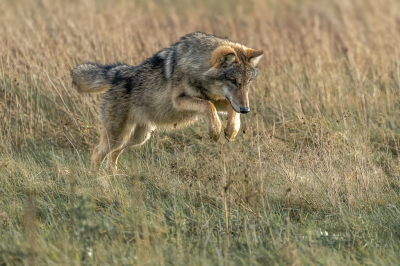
[165,214]
[311,179]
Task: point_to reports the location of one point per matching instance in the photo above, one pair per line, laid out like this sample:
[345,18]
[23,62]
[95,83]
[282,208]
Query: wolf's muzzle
[244,110]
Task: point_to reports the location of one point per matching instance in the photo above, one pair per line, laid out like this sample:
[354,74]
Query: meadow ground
[312,178]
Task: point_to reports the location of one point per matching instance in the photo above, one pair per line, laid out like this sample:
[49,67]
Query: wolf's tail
[95,78]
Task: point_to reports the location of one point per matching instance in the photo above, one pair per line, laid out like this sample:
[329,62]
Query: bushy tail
[95,78]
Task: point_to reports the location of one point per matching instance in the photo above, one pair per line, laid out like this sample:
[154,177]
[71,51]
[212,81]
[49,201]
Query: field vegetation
[313,177]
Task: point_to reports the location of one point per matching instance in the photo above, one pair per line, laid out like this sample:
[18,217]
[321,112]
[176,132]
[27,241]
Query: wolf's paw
[230,133]
[233,125]
[214,131]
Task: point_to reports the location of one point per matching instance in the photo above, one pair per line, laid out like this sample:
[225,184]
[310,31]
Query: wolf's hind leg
[141,134]
[99,153]
[113,158]
[109,143]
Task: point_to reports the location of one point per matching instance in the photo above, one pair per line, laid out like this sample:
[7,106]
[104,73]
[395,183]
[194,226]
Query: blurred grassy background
[313,177]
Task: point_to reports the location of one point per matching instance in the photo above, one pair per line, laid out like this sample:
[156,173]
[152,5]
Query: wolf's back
[95,78]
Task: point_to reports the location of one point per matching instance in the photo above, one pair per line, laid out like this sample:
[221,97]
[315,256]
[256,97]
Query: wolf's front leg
[233,126]
[206,108]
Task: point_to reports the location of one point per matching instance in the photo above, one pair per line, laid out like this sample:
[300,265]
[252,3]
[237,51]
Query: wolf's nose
[244,110]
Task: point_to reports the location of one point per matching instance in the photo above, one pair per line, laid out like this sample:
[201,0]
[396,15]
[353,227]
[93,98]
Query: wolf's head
[232,70]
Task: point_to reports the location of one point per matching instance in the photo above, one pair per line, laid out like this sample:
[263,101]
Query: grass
[312,178]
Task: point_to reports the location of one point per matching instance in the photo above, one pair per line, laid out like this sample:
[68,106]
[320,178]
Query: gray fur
[173,87]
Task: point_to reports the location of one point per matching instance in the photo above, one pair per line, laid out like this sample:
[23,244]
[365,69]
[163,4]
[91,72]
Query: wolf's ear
[223,56]
[227,59]
[254,56]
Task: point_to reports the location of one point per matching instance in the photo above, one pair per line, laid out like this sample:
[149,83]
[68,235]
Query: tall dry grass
[318,154]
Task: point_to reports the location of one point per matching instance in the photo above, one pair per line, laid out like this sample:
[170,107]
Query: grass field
[313,177]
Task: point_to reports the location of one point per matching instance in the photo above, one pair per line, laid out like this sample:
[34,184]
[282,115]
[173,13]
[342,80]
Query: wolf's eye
[233,81]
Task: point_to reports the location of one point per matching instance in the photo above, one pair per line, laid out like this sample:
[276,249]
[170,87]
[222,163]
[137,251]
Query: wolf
[197,76]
